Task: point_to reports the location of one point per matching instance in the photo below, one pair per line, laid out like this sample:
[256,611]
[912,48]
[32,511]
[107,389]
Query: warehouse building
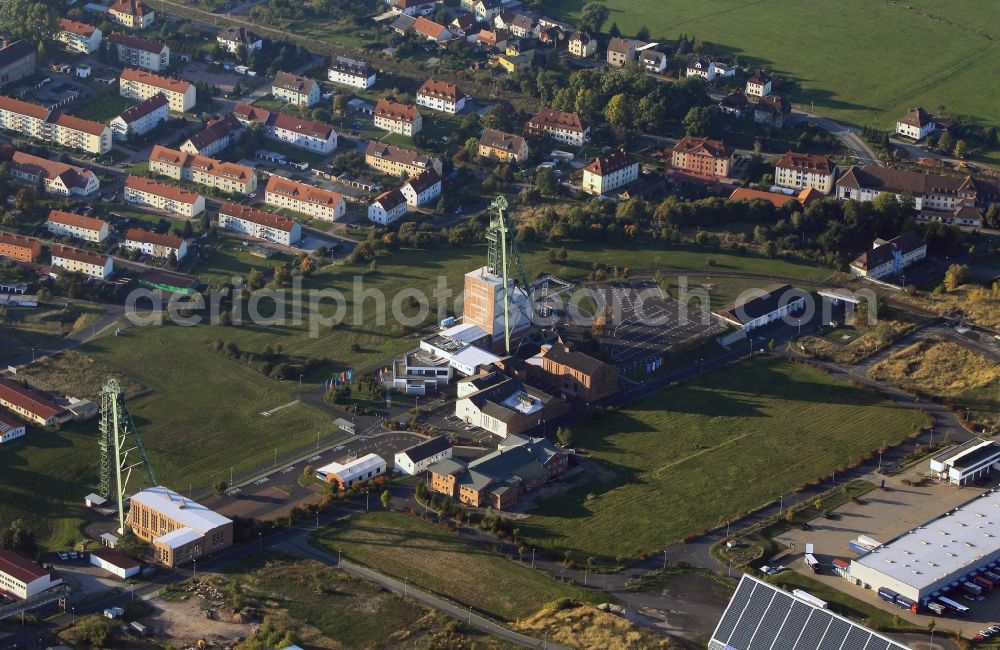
[937,557]
[115,563]
[10,428]
[354,472]
[967,462]
[761,616]
[33,405]
[20,578]
[180,529]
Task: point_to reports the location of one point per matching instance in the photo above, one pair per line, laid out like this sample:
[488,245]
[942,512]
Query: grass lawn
[947,370]
[103,108]
[437,560]
[873,55]
[696,455]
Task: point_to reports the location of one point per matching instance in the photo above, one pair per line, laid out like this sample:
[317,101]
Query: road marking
[261,481]
[314,458]
[287,469]
[233,492]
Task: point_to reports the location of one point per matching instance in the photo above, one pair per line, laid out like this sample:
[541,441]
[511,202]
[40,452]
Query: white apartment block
[609,172]
[155,244]
[296,131]
[295,90]
[79,37]
[225,176]
[916,124]
[148,193]
[387,208]
[141,118]
[134,14]
[351,72]
[559,125]
[136,52]
[397,118]
[799,171]
[67,224]
[233,37]
[422,188]
[260,224]
[93,265]
[140,85]
[11,428]
[397,161]
[312,201]
[440,96]
[40,123]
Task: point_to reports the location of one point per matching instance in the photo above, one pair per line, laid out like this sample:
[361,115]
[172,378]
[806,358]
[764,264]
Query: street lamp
[260,542]
[194,575]
[664,559]
[781,503]
[338,557]
[532,558]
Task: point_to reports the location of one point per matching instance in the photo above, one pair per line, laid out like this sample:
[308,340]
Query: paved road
[110,316]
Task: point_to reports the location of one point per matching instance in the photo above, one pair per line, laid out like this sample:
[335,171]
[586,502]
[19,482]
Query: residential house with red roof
[610,171]
[141,118]
[801,170]
[702,156]
[139,85]
[31,404]
[134,14]
[79,37]
[91,264]
[261,224]
[137,52]
[19,247]
[432,31]
[291,129]
[397,118]
[155,244]
[59,178]
[307,199]
[225,176]
[561,126]
[77,226]
[146,192]
[440,96]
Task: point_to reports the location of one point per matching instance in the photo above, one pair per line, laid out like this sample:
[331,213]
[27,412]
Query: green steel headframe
[502,255]
[119,438]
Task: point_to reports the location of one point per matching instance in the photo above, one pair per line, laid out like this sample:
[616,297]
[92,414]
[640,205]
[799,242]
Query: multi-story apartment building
[561,126]
[582,45]
[20,248]
[502,146]
[39,122]
[312,201]
[609,172]
[422,189]
[296,131]
[155,244]
[216,136]
[143,191]
[260,224]
[137,52]
[77,226]
[759,84]
[917,124]
[397,118]
[798,171]
[180,530]
[397,161]
[31,404]
[889,257]
[93,265]
[79,37]
[931,192]
[295,90]
[232,38]
[351,72]
[134,14]
[141,118]
[621,51]
[387,207]
[59,178]
[17,60]
[139,85]
[225,176]
[440,96]
[702,156]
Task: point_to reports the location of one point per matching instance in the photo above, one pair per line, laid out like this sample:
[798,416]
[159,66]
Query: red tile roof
[609,163]
[73,27]
[156,239]
[12,239]
[33,401]
[19,567]
[78,255]
[302,192]
[72,176]
[115,558]
[23,108]
[155,80]
[200,163]
[917,117]
[394,111]
[806,162]
[78,124]
[423,180]
[552,119]
[131,7]
[293,82]
[76,220]
[298,125]
[428,28]
[391,199]
[261,217]
[139,111]
[172,192]
[440,90]
[702,147]
[215,130]
[748,194]
[137,42]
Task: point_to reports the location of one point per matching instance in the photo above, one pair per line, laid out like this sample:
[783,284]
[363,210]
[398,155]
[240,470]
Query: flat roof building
[20,578]
[937,556]
[967,462]
[354,472]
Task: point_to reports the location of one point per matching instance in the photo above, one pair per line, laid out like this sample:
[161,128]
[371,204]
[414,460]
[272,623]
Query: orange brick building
[17,247]
[702,156]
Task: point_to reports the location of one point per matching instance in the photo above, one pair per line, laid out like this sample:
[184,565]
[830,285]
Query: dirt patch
[76,374]
[979,304]
[185,623]
[589,628]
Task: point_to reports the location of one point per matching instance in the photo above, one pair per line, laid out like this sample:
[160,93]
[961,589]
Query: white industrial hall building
[939,556]
[967,462]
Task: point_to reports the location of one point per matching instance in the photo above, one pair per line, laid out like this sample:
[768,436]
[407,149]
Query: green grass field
[439,561]
[102,108]
[848,56]
[696,455]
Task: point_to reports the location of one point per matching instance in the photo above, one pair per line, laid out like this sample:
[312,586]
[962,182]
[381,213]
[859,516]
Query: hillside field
[694,455]
[858,60]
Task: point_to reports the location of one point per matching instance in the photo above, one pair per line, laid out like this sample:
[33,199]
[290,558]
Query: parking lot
[884,515]
[646,321]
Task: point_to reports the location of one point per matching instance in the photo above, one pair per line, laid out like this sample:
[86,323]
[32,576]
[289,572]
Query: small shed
[94,500]
[109,540]
[115,563]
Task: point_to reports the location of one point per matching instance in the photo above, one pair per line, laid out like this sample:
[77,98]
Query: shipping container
[972,589]
[905,603]
[888,595]
[958,609]
[985,583]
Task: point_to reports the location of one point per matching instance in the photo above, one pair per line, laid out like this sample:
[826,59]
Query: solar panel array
[761,616]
